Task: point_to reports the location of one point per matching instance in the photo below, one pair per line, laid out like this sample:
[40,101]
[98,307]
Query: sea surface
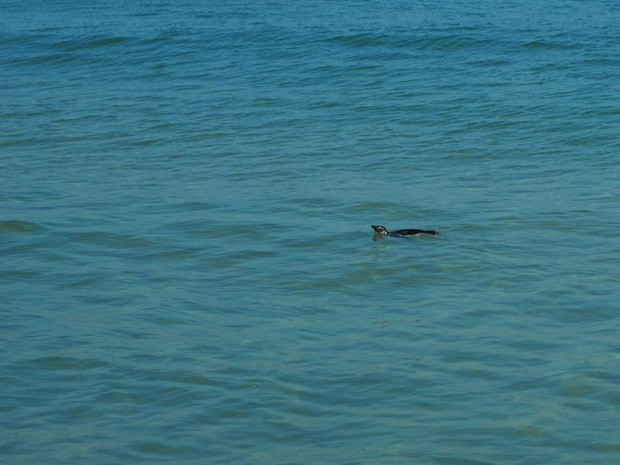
[187,269]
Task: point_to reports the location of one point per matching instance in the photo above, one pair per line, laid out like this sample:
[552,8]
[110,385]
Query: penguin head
[379,229]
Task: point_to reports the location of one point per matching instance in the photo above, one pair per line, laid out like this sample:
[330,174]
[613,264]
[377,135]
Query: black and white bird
[382,231]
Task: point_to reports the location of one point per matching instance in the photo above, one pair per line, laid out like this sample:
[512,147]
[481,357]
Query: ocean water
[187,269]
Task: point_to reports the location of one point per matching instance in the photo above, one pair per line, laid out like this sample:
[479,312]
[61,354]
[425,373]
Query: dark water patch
[54,59]
[110,240]
[197,206]
[550,44]
[490,62]
[166,320]
[19,226]
[19,141]
[60,363]
[432,41]
[99,42]
[136,334]
[86,43]
[79,282]
[160,449]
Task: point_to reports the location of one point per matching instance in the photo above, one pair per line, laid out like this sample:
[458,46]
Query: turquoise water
[187,269]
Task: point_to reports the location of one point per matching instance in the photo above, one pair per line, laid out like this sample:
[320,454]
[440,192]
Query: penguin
[382,231]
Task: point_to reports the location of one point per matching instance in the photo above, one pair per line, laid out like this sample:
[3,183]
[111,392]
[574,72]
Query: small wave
[18,226]
[358,40]
[111,240]
[91,42]
[432,41]
[69,50]
[549,44]
[66,363]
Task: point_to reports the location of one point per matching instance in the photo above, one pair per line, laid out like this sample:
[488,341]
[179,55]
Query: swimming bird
[382,231]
